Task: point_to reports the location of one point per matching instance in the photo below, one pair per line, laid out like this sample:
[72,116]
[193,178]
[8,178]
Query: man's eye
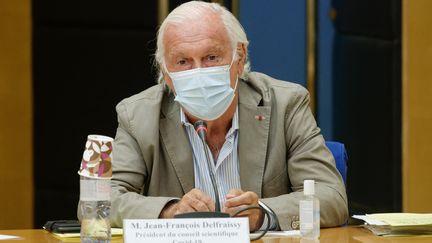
[181,62]
[212,58]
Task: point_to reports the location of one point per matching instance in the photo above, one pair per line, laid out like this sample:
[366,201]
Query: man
[260,132]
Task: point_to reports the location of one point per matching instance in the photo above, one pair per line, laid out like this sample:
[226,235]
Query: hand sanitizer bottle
[309,212]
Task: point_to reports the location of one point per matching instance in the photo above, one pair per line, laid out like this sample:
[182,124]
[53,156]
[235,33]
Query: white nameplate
[202,230]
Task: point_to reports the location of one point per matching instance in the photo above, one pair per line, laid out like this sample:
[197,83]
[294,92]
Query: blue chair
[339,153]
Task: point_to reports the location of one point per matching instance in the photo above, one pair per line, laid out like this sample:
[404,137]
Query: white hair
[191,11]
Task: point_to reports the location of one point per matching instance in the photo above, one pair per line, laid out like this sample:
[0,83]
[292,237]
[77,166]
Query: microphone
[201,129]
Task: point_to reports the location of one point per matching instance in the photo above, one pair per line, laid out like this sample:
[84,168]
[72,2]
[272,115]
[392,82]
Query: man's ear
[168,81]
[241,53]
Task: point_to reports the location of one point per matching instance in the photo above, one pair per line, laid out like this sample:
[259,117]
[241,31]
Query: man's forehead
[210,26]
[205,38]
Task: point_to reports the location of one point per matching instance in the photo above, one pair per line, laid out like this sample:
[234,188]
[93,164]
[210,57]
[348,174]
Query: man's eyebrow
[174,53]
[216,49]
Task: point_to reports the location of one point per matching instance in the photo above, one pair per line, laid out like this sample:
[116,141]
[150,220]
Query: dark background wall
[367,100]
[87,56]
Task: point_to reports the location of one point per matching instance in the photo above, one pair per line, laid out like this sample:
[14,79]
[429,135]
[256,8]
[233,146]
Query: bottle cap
[309,187]
[97,157]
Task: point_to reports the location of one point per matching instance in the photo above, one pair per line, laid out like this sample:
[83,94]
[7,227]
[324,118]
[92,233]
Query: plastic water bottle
[95,190]
[95,210]
[309,212]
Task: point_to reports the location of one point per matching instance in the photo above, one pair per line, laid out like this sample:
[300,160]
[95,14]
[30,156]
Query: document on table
[9,237]
[397,224]
[403,219]
[116,233]
[292,233]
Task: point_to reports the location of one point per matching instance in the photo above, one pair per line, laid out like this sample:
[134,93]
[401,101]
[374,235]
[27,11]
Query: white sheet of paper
[196,230]
[114,232]
[369,220]
[291,233]
[9,237]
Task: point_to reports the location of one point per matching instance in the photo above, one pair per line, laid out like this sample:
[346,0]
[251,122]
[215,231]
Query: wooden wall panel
[417,106]
[16,181]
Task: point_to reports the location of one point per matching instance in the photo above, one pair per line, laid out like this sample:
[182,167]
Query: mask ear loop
[235,86]
[232,61]
[233,58]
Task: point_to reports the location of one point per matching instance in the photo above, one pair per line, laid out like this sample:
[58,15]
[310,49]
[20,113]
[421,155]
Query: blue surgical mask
[205,93]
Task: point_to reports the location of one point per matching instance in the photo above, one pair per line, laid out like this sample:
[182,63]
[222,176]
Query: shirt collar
[234,123]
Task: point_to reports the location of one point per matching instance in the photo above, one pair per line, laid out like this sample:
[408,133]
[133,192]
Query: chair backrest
[340,154]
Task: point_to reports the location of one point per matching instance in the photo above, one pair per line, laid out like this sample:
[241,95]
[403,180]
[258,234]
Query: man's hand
[236,199]
[193,201]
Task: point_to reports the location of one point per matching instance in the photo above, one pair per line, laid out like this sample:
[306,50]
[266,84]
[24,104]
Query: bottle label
[306,215]
[95,190]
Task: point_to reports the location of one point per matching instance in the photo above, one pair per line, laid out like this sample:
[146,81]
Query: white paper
[114,232]
[196,230]
[291,233]
[369,220]
[9,237]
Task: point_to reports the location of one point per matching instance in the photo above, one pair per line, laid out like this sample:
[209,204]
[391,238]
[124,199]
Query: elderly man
[261,134]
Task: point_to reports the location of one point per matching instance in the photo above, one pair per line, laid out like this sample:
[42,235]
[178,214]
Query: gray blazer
[152,157]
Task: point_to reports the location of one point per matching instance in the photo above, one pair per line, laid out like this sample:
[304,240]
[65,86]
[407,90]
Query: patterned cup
[97,157]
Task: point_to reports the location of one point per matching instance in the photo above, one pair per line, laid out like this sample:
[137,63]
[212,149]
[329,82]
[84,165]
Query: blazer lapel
[254,123]
[176,144]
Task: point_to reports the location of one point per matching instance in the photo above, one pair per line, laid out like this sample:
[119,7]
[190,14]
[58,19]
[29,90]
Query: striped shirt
[225,168]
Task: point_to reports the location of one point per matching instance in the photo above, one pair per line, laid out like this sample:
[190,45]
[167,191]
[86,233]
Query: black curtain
[87,56]
[367,89]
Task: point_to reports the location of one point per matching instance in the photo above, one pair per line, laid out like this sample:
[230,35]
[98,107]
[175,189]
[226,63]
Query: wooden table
[333,235]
